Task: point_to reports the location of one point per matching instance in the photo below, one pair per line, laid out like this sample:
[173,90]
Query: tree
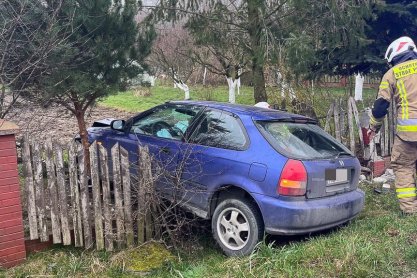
[357,39]
[390,20]
[260,29]
[104,48]
[169,55]
[247,18]
[28,36]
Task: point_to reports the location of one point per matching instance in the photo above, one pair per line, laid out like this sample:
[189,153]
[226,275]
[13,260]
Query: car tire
[237,226]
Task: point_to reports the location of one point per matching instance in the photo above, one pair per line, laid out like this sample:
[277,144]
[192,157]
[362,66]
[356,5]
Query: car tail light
[293,181]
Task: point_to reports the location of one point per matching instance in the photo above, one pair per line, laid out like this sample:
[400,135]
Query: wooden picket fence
[86,208]
[345,124]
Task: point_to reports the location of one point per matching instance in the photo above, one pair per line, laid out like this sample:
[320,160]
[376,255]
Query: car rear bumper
[284,217]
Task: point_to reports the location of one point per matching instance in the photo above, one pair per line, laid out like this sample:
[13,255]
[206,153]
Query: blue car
[250,170]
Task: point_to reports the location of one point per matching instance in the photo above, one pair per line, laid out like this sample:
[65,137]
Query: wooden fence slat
[328,117]
[75,197]
[343,133]
[53,194]
[392,122]
[118,198]
[62,195]
[30,190]
[356,116]
[145,191]
[149,191]
[124,159]
[386,136]
[141,195]
[382,141]
[351,129]
[40,192]
[95,183]
[85,205]
[105,181]
[337,121]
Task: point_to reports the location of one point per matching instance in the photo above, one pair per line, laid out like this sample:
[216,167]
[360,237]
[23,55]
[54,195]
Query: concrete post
[12,243]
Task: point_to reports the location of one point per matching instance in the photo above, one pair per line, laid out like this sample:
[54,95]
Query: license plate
[336,176]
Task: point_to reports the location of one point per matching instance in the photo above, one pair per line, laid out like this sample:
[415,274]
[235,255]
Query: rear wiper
[343,153]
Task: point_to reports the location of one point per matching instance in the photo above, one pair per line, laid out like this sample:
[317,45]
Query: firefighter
[400,83]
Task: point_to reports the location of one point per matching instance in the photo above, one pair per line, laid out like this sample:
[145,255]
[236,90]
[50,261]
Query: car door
[163,131]
[214,153]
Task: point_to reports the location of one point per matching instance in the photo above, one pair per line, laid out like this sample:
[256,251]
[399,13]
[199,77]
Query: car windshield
[301,141]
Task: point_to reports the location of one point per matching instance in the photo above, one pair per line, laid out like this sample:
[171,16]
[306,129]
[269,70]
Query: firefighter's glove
[375,124]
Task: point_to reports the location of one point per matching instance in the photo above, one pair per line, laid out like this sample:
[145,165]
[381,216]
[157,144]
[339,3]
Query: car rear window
[301,140]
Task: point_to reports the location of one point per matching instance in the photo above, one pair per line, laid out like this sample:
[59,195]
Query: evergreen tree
[104,48]
[356,41]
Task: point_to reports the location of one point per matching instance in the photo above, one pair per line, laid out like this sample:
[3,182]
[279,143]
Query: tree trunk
[255,29]
[84,137]
[259,91]
[204,76]
[232,88]
[184,88]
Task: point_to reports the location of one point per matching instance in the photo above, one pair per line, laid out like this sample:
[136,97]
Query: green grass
[379,243]
[134,101]
[145,98]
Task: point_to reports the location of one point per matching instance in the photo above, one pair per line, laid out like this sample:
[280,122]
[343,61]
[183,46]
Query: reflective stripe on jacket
[401,82]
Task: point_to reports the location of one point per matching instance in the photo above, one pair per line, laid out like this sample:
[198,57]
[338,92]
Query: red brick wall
[12,245]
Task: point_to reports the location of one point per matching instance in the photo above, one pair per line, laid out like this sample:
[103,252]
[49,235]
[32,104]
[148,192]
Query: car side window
[220,129]
[169,122]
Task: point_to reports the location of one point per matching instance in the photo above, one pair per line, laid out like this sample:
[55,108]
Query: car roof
[257,113]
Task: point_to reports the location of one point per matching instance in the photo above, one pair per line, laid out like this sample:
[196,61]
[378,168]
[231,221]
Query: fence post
[12,243]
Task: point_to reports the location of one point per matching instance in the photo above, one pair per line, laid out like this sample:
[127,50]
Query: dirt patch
[57,122]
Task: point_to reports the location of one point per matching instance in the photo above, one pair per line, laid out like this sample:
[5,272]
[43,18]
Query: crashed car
[250,170]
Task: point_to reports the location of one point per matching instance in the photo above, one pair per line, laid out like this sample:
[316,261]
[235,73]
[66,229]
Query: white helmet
[399,46]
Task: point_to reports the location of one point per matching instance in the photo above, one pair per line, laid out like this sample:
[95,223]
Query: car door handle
[165,150]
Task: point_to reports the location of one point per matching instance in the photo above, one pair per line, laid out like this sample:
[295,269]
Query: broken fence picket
[61,200]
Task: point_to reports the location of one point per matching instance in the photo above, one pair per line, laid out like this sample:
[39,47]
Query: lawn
[145,98]
[142,99]
[379,243]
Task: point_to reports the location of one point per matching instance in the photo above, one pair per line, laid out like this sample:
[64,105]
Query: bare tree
[169,56]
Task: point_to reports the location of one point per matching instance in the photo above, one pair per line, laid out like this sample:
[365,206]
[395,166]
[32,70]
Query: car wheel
[237,226]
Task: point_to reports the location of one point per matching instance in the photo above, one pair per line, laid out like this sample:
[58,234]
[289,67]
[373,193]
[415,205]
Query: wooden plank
[386,136]
[75,197]
[343,133]
[40,191]
[337,121]
[382,139]
[118,197]
[356,116]
[85,204]
[141,195]
[105,181]
[125,167]
[95,183]
[392,122]
[53,194]
[62,195]
[30,189]
[328,117]
[351,128]
[145,190]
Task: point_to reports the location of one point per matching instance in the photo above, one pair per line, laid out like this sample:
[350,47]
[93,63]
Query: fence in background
[349,127]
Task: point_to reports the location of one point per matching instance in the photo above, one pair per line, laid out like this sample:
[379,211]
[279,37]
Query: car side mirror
[118,125]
